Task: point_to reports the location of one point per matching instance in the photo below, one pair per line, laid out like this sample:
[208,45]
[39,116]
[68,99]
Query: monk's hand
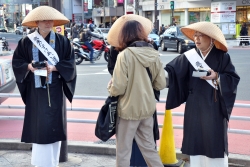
[212,76]
[31,68]
[50,68]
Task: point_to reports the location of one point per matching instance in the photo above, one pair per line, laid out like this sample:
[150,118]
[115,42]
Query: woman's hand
[212,76]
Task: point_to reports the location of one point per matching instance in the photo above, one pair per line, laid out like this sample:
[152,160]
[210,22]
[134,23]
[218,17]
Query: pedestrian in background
[85,37]
[132,84]
[75,31]
[43,90]
[162,29]
[209,97]
[244,32]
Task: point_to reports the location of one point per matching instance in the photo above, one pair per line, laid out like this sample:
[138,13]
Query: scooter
[82,52]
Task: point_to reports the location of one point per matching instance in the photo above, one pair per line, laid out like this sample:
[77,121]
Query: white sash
[44,47]
[196,61]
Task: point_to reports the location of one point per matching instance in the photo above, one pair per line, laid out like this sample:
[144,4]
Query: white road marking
[100,73]
[99,66]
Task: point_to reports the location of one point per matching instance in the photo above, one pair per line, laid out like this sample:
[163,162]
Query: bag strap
[149,73]
[156,92]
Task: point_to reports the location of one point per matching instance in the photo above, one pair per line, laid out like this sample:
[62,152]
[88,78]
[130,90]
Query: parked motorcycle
[82,52]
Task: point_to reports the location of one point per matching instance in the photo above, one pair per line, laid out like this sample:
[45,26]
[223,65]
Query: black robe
[205,121]
[44,124]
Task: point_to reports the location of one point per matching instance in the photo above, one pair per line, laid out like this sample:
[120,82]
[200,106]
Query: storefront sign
[222,12]
[245,2]
[77,6]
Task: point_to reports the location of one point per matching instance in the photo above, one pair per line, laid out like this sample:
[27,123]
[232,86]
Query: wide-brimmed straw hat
[44,13]
[115,30]
[208,29]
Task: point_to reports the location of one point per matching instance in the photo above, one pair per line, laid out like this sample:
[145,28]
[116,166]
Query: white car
[7,79]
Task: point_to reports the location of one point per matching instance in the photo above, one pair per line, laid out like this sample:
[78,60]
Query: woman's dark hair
[132,31]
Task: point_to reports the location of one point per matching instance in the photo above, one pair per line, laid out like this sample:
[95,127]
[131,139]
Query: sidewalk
[235,44]
[87,154]
[84,154]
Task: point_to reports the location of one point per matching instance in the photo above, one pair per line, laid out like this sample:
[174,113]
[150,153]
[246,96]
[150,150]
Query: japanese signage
[90,4]
[222,12]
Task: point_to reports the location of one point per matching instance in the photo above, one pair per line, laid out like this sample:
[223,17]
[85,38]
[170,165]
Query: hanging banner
[90,4]
[85,7]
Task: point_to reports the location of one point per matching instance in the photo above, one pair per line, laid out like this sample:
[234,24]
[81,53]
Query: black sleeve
[229,80]
[112,59]
[178,81]
[67,67]
[21,59]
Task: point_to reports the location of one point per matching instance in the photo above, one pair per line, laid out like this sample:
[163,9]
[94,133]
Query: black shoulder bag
[157,97]
[106,121]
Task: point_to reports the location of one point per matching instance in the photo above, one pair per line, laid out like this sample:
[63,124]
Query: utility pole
[64,145]
[104,17]
[156,13]
[83,11]
[172,8]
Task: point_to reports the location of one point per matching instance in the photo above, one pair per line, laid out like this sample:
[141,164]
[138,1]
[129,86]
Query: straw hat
[44,13]
[116,28]
[208,29]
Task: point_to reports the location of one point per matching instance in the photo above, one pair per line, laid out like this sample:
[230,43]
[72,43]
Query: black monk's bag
[106,121]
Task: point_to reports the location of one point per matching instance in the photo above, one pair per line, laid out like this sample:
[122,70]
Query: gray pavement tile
[2,152]
[4,162]
[17,157]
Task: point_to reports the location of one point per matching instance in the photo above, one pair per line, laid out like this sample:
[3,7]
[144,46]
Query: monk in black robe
[44,123]
[208,107]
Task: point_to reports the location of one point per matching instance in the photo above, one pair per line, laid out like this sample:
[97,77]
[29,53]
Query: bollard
[167,145]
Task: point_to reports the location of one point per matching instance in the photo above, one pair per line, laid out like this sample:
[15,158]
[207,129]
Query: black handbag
[157,97]
[106,121]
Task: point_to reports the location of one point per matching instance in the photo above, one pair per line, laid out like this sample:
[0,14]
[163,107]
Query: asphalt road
[92,79]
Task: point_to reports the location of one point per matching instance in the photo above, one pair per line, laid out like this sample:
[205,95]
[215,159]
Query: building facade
[191,11]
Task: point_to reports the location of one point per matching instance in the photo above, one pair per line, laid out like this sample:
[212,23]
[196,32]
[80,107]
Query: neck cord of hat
[209,48]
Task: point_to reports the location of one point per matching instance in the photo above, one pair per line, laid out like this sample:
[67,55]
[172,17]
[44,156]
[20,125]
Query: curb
[108,149]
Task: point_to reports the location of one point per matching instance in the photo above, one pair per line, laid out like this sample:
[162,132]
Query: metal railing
[237,131]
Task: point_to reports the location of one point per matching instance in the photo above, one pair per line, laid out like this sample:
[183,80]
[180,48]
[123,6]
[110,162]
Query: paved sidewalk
[20,158]
[83,154]
[80,154]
